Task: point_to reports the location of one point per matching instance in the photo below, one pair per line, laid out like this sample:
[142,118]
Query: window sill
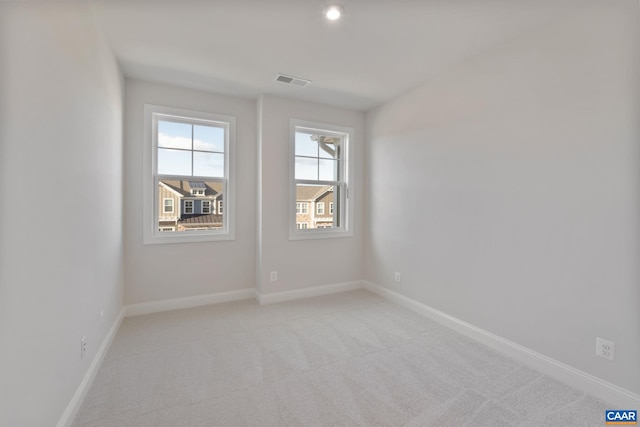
[312,234]
[174,238]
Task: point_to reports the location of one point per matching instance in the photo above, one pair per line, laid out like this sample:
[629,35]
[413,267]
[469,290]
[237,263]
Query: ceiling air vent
[290,80]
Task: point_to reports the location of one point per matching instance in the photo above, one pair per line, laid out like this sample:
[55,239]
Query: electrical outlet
[605,349]
[273,276]
[83,347]
[397,277]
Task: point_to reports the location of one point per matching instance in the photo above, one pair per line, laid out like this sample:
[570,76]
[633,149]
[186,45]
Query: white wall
[158,272]
[301,263]
[506,191]
[61,204]
[165,271]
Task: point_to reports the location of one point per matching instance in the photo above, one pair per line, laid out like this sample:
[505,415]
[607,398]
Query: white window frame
[318,210]
[151,233]
[346,184]
[202,203]
[302,225]
[188,210]
[220,207]
[164,206]
[330,208]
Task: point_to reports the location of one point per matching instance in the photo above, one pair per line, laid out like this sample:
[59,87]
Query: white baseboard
[133,310]
[313,291]
[587,383]
[188,302]
[608,392]
[76,401]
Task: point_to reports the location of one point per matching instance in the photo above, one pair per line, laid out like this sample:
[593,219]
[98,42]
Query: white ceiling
[380,49]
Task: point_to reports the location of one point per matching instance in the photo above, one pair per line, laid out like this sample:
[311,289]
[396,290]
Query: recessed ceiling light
[333,12]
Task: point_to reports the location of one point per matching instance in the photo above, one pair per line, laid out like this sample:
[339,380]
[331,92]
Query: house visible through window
[321,167]
[190,159]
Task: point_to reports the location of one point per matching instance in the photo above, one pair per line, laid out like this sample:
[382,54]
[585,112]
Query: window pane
[208,138]
[329,147]
[208,164]
[174,162]
[196,212]
[174,135]
[306,168]
[328,170]
[168,205]
[305,146]
[316,195]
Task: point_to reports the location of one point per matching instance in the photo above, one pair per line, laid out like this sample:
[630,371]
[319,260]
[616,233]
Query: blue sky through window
[314,161]
[175,142]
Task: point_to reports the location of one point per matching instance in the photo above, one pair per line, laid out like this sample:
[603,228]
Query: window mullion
[192,148]
[318,159]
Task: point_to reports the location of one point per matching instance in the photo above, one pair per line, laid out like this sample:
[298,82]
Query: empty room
[314,212]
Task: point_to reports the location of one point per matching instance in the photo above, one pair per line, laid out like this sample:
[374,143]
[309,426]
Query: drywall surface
[506,191]
[61,210]
[302,263]
[164,271]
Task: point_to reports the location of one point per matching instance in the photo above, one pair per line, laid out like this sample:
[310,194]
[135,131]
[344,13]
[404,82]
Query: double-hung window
[188,207]
[167,206]
[189,166]
[302,208]
[321,167]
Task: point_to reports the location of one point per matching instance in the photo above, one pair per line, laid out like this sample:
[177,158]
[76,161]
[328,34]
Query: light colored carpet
[347,359]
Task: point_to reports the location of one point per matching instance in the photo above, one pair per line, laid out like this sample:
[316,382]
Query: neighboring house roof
[321,193]
[163,185]
[309,193]
[183,187]
[200,219]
